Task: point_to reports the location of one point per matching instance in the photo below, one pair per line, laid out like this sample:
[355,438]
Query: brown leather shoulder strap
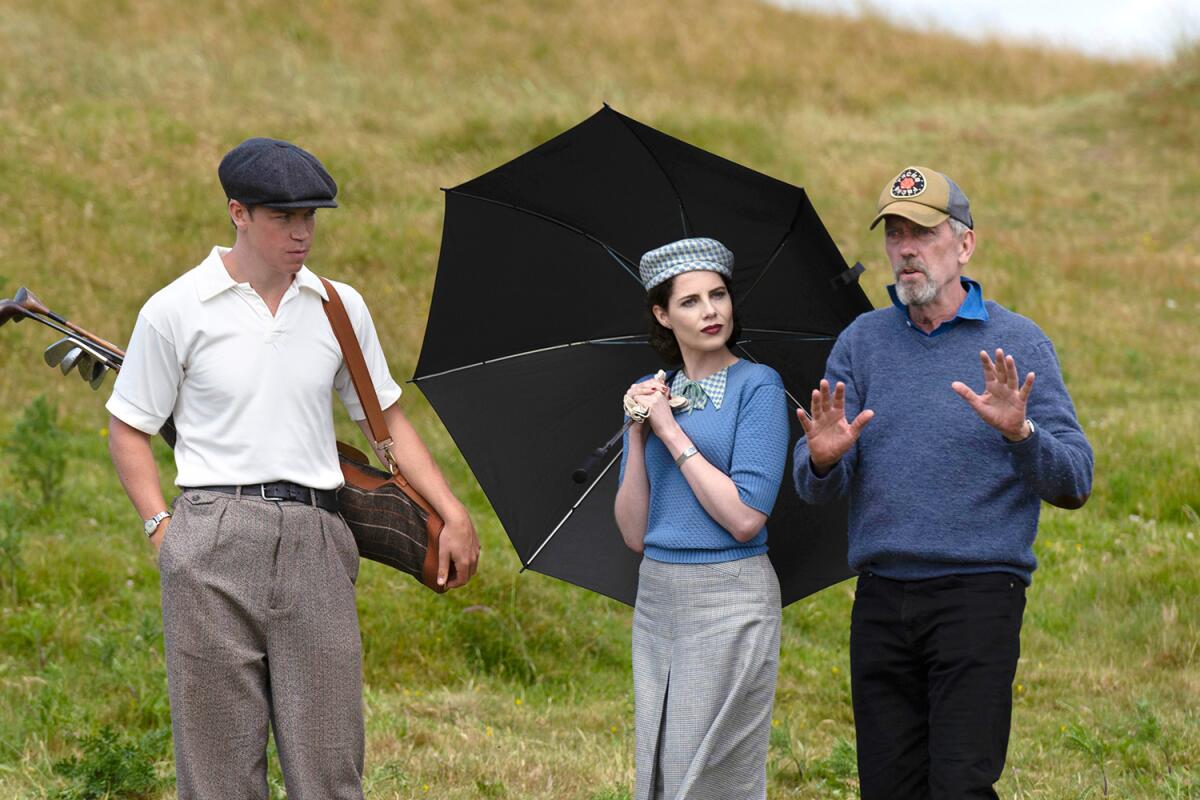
[359,375]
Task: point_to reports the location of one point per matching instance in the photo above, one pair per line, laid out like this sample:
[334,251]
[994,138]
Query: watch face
[151,525]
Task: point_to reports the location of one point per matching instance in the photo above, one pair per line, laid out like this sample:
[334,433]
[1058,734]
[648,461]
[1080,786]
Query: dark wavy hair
[663,339]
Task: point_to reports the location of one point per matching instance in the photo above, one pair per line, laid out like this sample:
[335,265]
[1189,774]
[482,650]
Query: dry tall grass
[1084,176]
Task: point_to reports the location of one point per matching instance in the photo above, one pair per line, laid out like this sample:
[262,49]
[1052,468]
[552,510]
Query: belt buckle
[262,490]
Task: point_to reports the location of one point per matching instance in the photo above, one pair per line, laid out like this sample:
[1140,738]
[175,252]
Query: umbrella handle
[584,471]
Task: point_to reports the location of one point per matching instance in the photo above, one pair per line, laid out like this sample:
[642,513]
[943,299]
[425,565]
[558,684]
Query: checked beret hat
[277,174]
[685,255]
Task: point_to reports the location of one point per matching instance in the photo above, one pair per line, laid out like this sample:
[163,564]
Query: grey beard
[917,295]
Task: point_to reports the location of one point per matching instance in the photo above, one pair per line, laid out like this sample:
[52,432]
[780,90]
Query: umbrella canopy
[538,325]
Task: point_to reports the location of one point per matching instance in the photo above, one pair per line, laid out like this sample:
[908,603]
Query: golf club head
[87,365]
[68,360]
[29,301]
[55,352]
[98,377]
[11,309]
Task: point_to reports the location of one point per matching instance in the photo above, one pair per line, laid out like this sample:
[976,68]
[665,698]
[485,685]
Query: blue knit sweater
[747,439]
[933,489]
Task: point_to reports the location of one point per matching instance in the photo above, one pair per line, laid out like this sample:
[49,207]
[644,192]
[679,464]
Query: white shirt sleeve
[147,384]
[364,328]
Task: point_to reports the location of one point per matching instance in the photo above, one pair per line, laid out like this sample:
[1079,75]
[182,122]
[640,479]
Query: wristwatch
[685,455]
[1032,431]
[151,525]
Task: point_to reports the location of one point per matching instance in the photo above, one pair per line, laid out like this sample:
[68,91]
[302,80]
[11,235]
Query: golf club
[29,301]
[68,361]
[98,377]
[103,354]
[55,352]
[91,369]
[10,309]
[87,366]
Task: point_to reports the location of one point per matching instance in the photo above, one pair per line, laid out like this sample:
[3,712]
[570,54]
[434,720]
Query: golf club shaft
[114,355]
[30,302]
[96,340]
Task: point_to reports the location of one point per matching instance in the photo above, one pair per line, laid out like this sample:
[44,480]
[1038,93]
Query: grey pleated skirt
[705,656]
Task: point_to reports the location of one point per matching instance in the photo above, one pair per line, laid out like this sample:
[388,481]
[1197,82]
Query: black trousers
[931,670]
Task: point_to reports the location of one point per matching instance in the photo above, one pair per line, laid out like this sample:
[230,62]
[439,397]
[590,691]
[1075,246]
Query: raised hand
[829,434]
[1002,404]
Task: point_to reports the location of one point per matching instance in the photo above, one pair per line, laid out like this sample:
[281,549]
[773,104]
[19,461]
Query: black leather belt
[280,491]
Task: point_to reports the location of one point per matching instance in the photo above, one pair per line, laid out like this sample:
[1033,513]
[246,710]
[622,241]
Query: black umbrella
[537,326]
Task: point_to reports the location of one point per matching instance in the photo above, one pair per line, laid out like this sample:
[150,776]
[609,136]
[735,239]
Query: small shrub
[11,538]
[1092,745]
[112,766]
[491,788]
[37,447]
[613,793]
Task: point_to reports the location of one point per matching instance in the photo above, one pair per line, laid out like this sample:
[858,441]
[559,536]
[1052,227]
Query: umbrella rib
[567,516]
[774,255]
[785,389]
[807,336]
[633,338]
[683,216]
[625,262]
[630,339]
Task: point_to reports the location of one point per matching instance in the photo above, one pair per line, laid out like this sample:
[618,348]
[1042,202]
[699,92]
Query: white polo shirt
[250,392]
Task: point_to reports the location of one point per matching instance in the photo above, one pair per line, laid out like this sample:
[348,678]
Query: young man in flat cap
[945,486]
[257,566]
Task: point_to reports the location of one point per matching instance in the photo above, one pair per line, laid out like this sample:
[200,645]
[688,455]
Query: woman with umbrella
[697,483]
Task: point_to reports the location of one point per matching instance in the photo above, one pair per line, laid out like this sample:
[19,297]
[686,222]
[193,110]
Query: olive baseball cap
[926,197]
[276,174]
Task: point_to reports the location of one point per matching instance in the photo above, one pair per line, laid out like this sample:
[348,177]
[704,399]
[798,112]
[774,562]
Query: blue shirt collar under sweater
[971,308]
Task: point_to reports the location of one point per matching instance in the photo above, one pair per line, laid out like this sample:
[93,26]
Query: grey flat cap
[277,174]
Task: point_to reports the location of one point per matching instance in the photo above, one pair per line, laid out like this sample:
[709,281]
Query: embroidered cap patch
[909,183]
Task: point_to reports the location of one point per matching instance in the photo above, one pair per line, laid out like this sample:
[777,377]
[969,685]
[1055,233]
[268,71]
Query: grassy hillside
[1084,177]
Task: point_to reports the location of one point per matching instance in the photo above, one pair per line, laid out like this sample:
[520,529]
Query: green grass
[1084,177]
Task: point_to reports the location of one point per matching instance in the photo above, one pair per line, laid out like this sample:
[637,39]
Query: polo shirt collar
[972,307]
[212,278]
[307,279]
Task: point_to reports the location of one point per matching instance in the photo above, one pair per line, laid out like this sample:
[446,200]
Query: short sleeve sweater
[747,439]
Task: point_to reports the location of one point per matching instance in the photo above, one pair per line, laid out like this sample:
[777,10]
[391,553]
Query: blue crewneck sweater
[933,489]
[747,439]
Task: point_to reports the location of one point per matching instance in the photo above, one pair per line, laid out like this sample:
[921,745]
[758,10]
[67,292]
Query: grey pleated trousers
[705,658]
[261,629]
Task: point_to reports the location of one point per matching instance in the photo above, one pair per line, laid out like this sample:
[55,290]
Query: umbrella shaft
[584,472]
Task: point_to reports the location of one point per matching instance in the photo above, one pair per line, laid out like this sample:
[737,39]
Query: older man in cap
[257,567]
[945,487]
